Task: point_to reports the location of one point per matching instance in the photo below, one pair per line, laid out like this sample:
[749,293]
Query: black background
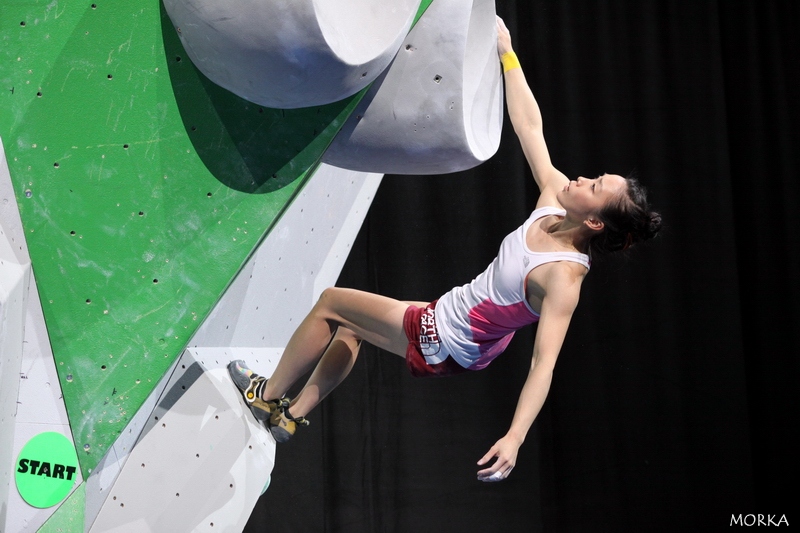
[674,403]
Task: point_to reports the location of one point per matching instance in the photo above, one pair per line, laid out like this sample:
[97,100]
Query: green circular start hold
[46,469]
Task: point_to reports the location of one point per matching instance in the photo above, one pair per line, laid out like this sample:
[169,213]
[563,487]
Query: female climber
[536,277]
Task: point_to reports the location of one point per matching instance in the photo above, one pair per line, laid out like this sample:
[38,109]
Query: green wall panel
[142,188]
[69,517]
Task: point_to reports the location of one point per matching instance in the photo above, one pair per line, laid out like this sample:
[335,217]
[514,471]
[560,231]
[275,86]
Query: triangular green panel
[142,187]
[70,516]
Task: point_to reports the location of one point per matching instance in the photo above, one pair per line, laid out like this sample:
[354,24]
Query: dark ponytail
[627,221]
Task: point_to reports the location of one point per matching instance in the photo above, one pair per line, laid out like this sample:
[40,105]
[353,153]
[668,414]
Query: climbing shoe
[251,386]
[282,424]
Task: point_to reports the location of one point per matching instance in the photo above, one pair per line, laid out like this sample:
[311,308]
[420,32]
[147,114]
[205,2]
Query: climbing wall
[138,209]
[15,275]
[159,220]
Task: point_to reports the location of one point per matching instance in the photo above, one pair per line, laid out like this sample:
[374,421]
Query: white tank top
[476,321]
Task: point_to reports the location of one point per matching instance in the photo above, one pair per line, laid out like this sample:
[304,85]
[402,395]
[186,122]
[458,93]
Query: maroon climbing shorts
[423,339]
